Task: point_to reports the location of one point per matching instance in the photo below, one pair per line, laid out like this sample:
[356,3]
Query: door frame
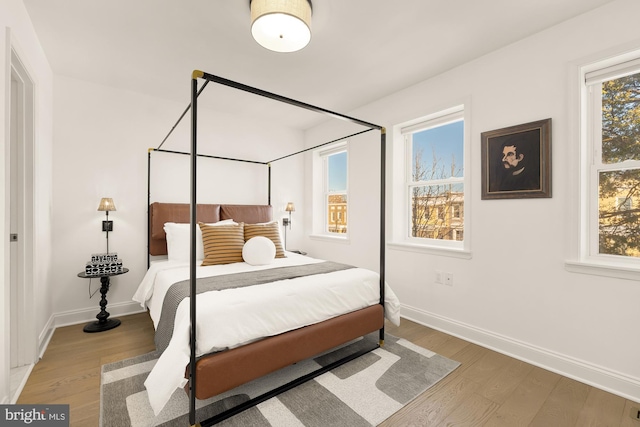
[22,301]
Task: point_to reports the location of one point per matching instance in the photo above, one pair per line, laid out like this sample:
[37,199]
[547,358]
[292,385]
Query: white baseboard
[585,372]
[74,317]
[23,382]
[45,336]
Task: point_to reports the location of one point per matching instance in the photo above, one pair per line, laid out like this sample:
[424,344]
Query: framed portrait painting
[516,161]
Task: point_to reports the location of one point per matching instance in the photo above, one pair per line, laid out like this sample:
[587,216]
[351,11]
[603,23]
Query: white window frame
[587,258]
[402,182]
[321,192]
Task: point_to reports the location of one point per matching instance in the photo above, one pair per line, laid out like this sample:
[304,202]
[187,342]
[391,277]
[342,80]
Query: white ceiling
[360,51]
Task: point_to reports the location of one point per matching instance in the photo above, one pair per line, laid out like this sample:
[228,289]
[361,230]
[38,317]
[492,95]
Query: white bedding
[243,315]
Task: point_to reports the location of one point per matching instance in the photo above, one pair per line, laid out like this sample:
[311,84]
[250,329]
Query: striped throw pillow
[222,243]
[270,230]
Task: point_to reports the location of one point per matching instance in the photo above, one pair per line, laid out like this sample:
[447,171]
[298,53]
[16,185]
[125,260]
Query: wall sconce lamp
[290,208]
[106,205]
[286,222]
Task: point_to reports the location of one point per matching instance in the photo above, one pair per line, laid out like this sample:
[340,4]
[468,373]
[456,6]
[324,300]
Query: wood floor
[69,372]
[488,389]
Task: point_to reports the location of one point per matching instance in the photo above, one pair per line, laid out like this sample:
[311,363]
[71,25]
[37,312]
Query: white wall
[101,141]
[361,247]
[515,294]
[16,30]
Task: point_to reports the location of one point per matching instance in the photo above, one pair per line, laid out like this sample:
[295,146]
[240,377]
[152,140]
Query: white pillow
[178,240]
[259,250]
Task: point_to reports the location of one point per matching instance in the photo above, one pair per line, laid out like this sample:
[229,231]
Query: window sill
[431,250]
[607,270]
[328,238]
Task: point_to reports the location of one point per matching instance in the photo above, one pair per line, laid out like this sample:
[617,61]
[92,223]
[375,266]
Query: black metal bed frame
[193,106]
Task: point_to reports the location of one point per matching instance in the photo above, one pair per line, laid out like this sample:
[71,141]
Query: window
[611,169]
[434,180]
[336,190]
[457,210]
[624,203]
[331,195]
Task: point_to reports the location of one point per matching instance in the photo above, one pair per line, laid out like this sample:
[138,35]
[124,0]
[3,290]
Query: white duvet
[242,315]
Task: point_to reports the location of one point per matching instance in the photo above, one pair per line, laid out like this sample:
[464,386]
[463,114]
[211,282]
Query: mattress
[234,317]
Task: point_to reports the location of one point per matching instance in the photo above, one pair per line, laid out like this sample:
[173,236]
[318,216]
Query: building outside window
[612,168]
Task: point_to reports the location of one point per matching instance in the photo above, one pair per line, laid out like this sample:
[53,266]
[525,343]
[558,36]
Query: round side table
[103,323]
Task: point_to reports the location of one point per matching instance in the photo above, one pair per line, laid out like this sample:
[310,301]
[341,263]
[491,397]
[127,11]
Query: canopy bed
[222,365]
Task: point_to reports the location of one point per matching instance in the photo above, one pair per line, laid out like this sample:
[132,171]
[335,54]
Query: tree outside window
[436,186]
[618,169]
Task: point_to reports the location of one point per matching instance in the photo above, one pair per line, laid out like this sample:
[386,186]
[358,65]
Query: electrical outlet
[439,277]
[448,279]
[635,413]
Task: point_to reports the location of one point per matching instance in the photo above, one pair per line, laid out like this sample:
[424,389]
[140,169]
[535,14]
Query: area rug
[363,392]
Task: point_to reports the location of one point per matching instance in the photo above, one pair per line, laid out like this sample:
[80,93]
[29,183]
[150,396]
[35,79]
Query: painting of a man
[520,162]
[516,161]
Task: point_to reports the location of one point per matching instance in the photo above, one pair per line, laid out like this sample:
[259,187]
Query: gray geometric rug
[363,392]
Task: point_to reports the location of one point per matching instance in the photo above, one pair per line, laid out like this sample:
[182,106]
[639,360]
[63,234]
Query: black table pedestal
[103,323]
[101,326]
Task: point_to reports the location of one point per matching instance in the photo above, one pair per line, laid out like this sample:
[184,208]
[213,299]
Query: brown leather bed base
[223,371]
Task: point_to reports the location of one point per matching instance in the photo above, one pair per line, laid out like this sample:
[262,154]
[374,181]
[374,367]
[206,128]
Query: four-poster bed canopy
[248,361]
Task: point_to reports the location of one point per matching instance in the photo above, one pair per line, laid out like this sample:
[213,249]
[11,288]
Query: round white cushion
[259,250]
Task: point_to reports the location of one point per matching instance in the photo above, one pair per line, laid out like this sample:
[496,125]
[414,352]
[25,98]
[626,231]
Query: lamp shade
[281,25]
[106,204]
[290,207]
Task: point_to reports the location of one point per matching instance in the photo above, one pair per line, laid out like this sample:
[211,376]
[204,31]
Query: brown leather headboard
[159,213]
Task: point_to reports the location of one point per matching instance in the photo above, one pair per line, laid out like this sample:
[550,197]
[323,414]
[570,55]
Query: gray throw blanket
[178,291]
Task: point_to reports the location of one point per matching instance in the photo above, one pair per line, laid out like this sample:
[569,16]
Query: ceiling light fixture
[281,25]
